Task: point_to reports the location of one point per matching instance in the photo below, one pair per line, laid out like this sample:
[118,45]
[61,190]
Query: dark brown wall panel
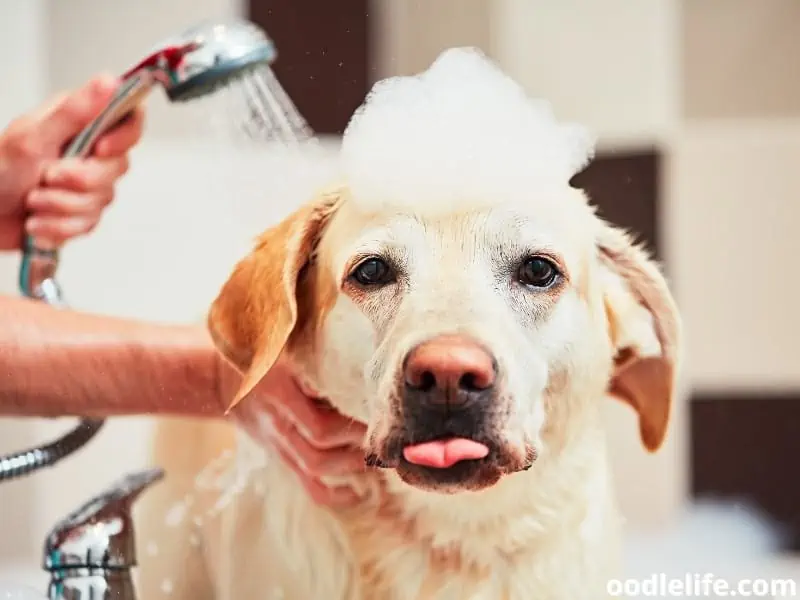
[323,55]
[625,186]
[747,446]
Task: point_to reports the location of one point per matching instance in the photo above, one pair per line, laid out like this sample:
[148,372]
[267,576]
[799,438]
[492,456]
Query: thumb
[65,117]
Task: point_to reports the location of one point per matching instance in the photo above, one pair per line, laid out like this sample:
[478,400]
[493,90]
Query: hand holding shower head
[195,64]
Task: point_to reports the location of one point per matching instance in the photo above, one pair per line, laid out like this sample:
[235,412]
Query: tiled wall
[616,65]
[735,175]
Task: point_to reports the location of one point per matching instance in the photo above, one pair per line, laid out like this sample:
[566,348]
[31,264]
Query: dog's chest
[394,563]
[414,574]
[286,544]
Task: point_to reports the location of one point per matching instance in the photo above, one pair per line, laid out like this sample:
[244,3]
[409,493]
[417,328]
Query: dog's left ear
[645,329]
[256,311]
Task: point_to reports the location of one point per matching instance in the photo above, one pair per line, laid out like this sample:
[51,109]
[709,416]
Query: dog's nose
[449,365]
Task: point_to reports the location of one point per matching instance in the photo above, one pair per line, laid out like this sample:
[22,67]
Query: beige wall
[84,37]
[735,188]
[740,58]
[414,32]
[610,64]
[615,65]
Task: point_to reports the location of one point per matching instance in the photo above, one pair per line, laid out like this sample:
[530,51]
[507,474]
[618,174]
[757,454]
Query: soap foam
[462,131]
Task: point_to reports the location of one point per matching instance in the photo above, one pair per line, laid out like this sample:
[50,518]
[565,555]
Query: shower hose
[27,461]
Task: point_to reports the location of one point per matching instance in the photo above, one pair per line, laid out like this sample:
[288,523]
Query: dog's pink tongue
[443,454]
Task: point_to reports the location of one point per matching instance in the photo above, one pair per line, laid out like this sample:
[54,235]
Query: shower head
[194,64]
[207,57]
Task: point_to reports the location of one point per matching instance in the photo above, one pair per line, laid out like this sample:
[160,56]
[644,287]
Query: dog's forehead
[559,222]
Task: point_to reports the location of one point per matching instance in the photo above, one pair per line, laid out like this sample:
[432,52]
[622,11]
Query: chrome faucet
[90,554]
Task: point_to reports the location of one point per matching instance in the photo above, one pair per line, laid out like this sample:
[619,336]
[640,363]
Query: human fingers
[267,425]
[69,113]
[85,175]
[122,137]
[333,496]
[319,423]
[53,230]
[61,202]
[343,460]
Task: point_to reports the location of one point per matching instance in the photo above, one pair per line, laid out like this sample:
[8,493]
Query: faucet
[90,553]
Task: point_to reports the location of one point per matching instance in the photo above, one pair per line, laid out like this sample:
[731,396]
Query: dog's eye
[373,271]
[538,272]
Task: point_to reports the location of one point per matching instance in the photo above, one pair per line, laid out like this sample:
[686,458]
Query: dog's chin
[464,476]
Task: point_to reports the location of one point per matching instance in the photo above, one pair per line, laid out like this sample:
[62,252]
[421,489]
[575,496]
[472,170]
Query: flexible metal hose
[26,462]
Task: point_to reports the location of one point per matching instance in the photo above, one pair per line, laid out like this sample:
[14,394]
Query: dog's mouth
[444,453]
[448,463]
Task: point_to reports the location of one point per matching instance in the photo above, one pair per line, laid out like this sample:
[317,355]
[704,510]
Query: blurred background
[697,106]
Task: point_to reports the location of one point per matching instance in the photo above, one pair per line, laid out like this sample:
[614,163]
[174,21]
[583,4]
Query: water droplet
[152,549]
[175,515]
[167,586]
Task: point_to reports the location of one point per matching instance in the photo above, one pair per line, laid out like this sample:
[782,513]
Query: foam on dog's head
[460,132]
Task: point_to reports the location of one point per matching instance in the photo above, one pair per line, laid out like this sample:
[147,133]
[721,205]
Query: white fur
[460,131]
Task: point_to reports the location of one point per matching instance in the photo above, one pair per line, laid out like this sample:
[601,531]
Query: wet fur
[549,532]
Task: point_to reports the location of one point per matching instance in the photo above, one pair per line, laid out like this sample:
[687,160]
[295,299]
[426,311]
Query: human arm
[65,363]
[61,362]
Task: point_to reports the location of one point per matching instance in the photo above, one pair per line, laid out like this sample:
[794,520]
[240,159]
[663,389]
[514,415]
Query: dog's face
[471,342]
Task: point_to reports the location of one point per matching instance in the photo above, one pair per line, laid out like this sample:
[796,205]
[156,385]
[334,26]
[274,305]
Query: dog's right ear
[256,311]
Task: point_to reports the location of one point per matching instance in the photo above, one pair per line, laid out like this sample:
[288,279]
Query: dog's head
[472,336]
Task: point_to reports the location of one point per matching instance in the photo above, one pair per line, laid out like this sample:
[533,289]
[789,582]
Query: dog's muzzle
[449,407]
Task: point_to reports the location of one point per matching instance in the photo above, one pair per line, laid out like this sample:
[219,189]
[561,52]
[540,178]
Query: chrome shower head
[207,57]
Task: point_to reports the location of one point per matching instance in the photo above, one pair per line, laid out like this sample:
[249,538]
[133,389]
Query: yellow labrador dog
[458,296]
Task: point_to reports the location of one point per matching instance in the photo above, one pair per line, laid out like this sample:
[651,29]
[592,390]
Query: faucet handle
[99,535]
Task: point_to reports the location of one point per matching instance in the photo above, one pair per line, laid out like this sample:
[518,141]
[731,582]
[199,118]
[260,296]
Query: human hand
[310,435]
[56,199]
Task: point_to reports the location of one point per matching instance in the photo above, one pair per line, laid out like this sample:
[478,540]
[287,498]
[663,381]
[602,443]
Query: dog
[458,296]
